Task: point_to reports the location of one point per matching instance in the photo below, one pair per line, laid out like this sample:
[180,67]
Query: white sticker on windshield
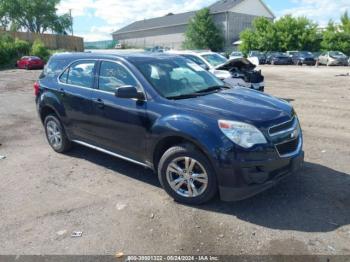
[195,67]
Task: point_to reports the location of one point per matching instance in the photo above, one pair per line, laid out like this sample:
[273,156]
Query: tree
[4,20]
[345,22]
[337,37]
[287,33]
[36,16]
[202,33]
[39,49]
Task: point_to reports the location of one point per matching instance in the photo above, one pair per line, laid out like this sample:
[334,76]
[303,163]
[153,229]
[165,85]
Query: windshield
[256,53]
[336,53]
[215,59]
[177,77]
[278,54]
[305,53]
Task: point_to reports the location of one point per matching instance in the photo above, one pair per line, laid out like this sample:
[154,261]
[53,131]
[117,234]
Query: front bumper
[257,180]
[309,62]
[282,61]
[338,62]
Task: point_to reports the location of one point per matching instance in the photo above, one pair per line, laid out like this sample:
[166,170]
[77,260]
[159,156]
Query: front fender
[204,133]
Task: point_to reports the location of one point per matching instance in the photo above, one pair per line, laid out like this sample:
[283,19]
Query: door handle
[100,103]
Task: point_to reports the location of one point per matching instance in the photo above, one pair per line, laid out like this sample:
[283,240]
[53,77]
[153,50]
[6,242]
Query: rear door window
[80,74]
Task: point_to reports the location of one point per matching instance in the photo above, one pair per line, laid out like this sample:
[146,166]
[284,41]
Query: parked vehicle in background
[333,58]
[304,58]
[30,62]
[236,54]
[316,55]
[164,113]
[260,55]
[234,72]
[279,58]
[119,46]
[291,53]
[158,49]
[224,54]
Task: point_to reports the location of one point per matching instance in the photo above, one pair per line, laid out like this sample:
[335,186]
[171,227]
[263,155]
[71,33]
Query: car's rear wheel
[56,135]
[187,176]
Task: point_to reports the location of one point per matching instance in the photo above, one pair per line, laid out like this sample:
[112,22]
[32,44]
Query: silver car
[333,58]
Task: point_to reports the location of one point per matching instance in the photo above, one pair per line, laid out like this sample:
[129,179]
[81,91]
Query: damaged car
[234,72]
[333,58]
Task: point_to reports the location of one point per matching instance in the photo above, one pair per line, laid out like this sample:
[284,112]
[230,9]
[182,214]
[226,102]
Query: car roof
[190,52]
[127,56]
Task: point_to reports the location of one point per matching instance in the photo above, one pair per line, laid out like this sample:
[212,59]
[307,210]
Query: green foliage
[39,49]
[287,33]
[202,33]
[5,49]
[22,47]
[4,20]
[337,37]
[11,49]
[35,15]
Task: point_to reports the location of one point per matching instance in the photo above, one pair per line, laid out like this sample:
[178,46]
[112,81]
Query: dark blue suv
[166,113]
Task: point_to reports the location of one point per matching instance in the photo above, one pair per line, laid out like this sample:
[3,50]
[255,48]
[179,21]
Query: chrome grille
[290,134]
[285,127]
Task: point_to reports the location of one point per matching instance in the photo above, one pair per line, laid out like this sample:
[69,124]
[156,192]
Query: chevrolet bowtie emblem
[294,134]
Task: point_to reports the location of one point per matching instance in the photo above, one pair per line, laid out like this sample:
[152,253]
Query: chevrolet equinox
[166,113]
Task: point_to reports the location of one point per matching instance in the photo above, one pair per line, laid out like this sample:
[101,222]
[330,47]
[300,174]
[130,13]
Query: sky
[95,20]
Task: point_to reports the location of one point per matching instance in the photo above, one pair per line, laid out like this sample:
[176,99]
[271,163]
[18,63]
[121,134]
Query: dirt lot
[119,206]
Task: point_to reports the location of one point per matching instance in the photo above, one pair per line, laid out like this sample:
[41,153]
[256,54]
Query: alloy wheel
[187,177]
[54,134]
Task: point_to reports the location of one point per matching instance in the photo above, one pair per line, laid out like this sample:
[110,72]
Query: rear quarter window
[54,67]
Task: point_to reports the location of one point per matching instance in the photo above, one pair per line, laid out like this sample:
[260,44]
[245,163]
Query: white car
[333,58]
[234,72]
[236,54]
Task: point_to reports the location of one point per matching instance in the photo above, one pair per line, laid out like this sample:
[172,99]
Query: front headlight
[242,134]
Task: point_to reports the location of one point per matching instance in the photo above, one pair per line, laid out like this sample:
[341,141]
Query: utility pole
[71,21]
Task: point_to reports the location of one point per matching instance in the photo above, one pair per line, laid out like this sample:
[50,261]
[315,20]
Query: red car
[30,62]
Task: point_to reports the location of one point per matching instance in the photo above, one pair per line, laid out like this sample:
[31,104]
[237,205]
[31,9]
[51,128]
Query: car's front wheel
[187,176]
[55,134]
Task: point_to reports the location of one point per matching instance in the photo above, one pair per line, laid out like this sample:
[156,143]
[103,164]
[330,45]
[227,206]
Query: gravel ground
[120,207]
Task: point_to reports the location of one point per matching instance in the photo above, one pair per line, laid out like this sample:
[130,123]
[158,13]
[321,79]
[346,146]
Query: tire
[178,155]
[27,67]
[56,135]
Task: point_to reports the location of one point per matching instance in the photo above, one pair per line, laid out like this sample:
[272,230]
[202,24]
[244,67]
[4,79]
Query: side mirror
[130,92]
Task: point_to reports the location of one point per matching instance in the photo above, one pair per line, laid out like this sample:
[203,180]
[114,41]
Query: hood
[339,56]
[241,104]
[307,56]
[240,63]
[281,57]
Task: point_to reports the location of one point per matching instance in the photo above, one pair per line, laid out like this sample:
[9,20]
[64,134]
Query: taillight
[36,88]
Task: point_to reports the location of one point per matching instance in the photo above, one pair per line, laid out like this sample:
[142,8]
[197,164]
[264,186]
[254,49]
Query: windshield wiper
[211,89]
[183,96]
[199,93]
